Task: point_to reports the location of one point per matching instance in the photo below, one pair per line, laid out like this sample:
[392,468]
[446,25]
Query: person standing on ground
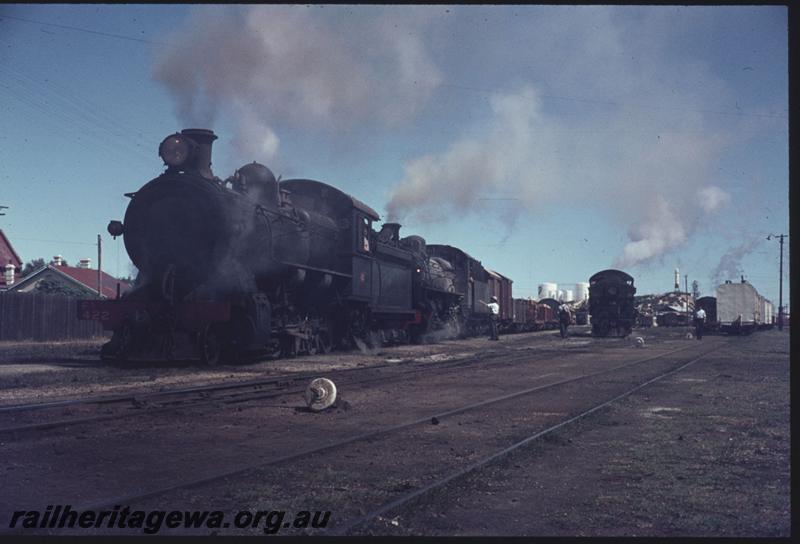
[699,323]
[564,318]
[494,310]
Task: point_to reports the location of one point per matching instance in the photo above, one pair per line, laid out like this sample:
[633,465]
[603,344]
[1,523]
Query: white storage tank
[582,291]
[569,295]
[548,290]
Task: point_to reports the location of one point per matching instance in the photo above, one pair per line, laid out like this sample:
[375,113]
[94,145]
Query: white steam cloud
[712,198]
[645,152]
[650,186]
[503,159]
[661,231]
[266,65]
[730,264]
[615,120]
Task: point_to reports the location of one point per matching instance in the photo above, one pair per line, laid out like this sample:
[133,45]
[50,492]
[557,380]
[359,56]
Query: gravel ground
[40,372]
[702,453]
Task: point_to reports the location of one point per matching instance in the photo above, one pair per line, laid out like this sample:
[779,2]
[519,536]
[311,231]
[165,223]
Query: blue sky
[550,142]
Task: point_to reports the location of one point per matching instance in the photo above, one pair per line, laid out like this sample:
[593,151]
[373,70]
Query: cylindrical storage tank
[569,295]
[582,291]
[561,295]
[548,290]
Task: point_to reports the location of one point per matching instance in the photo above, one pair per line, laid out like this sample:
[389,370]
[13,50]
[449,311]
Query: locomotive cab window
[362,242]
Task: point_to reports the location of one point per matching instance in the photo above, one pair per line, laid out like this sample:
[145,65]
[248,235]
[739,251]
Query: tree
[30,266]
[57,288]
[36,264]
[696,289]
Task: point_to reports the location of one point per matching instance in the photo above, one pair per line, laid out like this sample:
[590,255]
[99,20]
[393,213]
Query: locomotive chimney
[204,139]
[390,232]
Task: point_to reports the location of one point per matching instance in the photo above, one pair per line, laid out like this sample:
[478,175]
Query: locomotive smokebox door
[320,394]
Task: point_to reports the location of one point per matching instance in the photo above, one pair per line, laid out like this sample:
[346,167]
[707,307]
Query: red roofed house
[8,257]
[78,281]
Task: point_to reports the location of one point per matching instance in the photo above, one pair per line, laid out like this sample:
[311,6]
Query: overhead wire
[86,30]
[54,103]
[450,85]
[621,104]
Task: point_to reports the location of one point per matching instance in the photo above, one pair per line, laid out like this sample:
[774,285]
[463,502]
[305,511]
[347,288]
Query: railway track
[607,374]
[148,403]
[404,499]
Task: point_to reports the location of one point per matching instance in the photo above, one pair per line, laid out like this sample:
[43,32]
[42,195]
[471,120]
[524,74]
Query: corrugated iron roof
[88,277]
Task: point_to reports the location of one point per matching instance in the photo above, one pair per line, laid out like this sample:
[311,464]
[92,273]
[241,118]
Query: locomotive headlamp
[116,228]
[176,149]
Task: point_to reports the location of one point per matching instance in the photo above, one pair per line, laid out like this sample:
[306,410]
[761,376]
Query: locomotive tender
[253,264]
[709,305]
[611,304]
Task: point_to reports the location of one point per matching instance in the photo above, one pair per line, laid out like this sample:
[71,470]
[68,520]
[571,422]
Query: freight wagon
[500,287]
[740,309]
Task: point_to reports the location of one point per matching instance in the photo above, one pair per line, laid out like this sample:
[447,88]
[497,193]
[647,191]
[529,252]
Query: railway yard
[532,435]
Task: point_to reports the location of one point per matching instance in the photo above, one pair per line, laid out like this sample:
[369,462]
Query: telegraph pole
[99,268]
[686,288]
[780,237]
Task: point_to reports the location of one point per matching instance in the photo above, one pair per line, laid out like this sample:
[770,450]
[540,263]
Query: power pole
[780,237]
[99,268]
[686,288]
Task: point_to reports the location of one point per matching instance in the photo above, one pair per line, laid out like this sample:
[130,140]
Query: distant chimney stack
[9,274]
[677,280]
[58,260]
[85,263]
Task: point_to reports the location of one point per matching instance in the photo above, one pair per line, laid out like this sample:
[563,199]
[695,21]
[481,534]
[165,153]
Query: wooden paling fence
[41,316]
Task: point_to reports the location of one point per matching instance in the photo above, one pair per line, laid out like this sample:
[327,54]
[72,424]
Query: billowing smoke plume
[264,65]
[657,188]
[730,264]
[511,157]
[613,124]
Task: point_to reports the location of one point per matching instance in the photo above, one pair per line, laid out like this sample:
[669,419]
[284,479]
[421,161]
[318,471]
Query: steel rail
[130,397]
[103,503]
[234,399]
[133,396]
[404,499]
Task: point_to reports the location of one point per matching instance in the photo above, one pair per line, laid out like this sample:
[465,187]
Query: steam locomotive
[611,305]
[251,264]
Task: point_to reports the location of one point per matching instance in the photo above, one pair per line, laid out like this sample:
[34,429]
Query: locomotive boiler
[251,264]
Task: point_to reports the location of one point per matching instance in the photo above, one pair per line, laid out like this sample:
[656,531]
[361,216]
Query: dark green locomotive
[611,308]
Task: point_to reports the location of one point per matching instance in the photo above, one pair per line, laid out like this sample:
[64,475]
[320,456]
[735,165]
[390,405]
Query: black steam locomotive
[611,305]
[251,264]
